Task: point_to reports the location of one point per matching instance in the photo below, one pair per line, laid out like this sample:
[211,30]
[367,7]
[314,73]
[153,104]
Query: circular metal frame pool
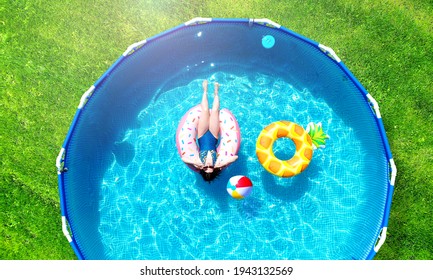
[149,69]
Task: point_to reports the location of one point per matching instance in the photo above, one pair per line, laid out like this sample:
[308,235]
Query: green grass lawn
[52,51]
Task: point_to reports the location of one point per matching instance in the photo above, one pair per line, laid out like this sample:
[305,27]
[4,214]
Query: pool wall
[101,125]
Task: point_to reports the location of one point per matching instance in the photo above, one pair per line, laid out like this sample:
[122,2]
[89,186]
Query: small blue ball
[268,41]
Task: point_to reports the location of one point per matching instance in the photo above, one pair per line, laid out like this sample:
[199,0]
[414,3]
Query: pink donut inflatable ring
[186,134]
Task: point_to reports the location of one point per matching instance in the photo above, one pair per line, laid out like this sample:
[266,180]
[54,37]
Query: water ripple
[153,207]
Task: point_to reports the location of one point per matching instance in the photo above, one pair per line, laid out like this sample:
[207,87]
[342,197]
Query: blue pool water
[174,214]
[127,194]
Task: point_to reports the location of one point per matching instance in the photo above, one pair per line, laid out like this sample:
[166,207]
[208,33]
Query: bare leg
[214,122]
[203,123]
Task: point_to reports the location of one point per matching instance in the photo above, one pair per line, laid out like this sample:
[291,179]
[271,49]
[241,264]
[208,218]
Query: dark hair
[208,177]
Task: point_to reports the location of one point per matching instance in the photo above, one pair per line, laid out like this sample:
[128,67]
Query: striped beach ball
[239,186]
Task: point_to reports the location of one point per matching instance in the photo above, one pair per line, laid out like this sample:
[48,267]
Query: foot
[217,86]
[205,85]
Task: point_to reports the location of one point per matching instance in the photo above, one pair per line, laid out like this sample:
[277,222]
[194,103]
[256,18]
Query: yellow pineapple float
[305,141]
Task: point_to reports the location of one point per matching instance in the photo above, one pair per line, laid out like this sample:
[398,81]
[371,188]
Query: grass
[52,51]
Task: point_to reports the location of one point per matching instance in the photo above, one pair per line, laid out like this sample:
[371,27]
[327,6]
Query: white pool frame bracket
[374,105]
[65,229]
[60,161]
[330,52]
[393,171]
[198,20]
[266,22]
[132,48]
[85,97]
[381,239]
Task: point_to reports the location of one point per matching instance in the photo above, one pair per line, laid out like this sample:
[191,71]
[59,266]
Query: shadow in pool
[217,189]
[290,189]
[250,207]
[124,153]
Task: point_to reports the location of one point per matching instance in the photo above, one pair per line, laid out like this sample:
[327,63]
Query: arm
[224,161]
[193,160]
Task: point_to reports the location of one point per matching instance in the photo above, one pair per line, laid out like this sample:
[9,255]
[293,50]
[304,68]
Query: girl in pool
[208,133]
